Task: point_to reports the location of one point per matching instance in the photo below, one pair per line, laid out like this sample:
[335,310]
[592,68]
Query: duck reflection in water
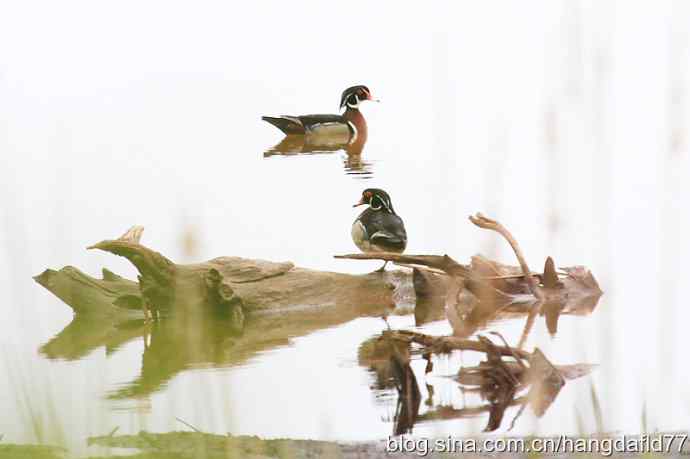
[324,134]
[299,145]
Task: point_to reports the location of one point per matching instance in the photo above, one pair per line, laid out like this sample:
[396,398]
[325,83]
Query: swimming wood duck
[349,126]
[378,228]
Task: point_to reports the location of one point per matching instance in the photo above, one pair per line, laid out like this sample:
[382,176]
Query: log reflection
[507,377]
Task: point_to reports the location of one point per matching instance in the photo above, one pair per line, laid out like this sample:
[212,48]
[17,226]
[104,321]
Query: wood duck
[349,126]
[378,228]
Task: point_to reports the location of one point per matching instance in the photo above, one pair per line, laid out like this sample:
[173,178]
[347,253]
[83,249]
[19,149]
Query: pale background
[567,120]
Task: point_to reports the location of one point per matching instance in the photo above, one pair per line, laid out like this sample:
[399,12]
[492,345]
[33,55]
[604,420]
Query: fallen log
[223,284]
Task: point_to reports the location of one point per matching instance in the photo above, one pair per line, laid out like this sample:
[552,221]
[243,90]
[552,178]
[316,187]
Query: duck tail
[288,125]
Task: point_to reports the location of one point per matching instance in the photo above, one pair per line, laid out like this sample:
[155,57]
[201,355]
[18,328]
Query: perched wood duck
[378,228]
[349,126]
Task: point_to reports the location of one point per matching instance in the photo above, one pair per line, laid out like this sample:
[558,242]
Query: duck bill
[361,202]
[373,99]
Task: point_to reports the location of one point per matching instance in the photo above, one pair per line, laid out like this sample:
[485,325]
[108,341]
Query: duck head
[353,95]
[377,200]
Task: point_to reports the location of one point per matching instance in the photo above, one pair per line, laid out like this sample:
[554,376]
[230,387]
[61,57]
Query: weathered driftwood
[224,284]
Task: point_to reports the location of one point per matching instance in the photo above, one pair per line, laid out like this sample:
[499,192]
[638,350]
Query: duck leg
[385,319]
[382,268]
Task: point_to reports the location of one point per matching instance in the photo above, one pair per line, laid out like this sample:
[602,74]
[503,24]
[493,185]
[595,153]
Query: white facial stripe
[387,204]
[384,201]
[371,203]
[350,104]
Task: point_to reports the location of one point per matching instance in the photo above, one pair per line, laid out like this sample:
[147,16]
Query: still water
[539,133]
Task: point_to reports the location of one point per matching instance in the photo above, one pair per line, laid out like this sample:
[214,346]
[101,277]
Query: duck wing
[307,123]
[311,121]
[386,230]
[287,124]
[334,127]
